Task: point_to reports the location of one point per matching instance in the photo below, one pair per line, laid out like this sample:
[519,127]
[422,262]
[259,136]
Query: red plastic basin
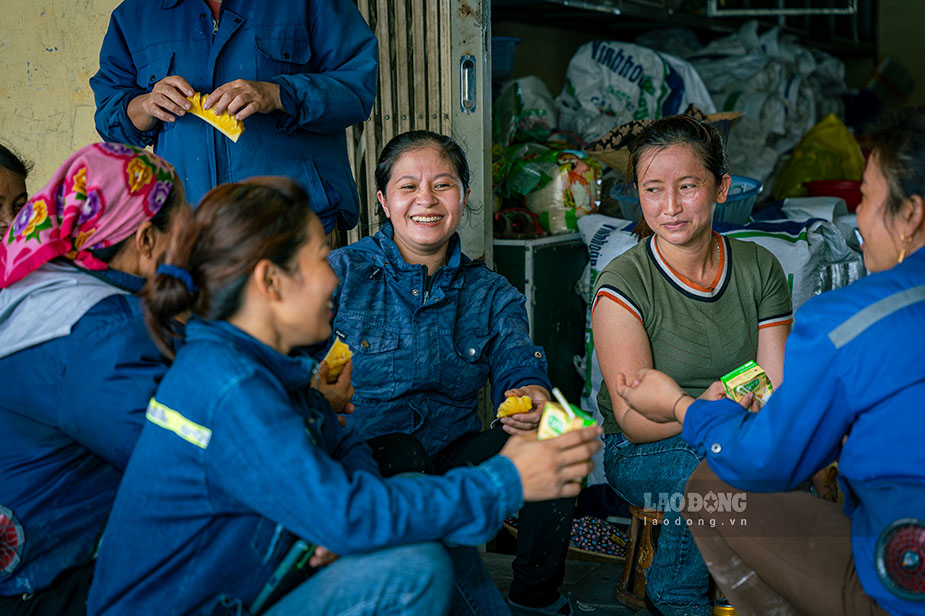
[849,190]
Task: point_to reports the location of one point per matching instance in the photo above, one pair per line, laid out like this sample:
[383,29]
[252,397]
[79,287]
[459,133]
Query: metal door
[433,70]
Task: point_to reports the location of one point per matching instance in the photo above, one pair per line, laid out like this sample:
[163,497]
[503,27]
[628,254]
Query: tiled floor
[592,583]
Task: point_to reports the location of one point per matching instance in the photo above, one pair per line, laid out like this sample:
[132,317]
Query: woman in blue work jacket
[852,390]
[78,365]
[243,473]
[429,328]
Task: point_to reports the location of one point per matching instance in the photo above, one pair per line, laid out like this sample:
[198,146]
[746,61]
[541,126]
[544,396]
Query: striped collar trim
[688,287]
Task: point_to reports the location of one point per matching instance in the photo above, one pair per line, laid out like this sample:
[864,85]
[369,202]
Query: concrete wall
[49,49]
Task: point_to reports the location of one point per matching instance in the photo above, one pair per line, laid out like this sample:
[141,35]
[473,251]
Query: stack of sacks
[812,253]
[609,83]
[782,87]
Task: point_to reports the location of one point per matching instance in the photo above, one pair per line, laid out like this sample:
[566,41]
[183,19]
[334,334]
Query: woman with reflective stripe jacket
[243,470]
[77,362]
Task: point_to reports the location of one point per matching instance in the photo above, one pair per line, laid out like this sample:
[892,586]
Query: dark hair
[160,221]
[234,227]
[899,143]
[701,137]
[415,140]
[12,161]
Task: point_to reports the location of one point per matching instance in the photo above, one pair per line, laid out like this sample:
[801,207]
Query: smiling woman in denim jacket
[241,463]
[429,327]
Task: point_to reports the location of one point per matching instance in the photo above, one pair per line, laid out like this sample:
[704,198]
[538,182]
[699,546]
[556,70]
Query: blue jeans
[414,580]
[653,475]
[475,593]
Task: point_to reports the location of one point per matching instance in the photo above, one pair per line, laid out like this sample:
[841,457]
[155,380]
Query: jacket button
[471,352]
[716,448]
[364,344]
[152,78]
[538,355]
[414,292]
[286,55]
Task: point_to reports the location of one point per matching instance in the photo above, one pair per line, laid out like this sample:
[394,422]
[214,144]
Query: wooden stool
[640,549]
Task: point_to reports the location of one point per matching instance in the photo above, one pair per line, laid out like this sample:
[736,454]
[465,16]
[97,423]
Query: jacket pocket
[282,51]
[267,539]
[151,70]
[322,196]
[470,368]
[374,366]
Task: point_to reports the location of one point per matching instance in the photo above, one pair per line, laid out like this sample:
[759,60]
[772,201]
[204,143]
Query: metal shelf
[841,35]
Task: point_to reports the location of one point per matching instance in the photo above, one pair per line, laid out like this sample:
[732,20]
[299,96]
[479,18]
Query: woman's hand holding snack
[338,393]
[526,422]
[553,468]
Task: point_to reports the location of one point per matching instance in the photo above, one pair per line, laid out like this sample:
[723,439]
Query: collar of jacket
[393,262]
[117,278]
[294,372]
[169,4]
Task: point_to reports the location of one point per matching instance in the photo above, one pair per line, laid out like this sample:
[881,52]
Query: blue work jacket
[237,458]
[321,53]
[422,351]
[853,366]
[71,409]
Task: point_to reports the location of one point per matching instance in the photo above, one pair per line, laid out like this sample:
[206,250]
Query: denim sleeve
[797,432]
[346,447]
[260,458]
[345,53]
[114,86]
[106,392]
[515,360]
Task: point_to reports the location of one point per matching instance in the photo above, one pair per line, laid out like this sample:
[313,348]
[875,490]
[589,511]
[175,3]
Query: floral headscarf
[97,198]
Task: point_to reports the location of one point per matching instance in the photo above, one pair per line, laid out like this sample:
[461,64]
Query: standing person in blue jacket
[78,365]
[853,389]
[240,459]
[296,72]
[429,328]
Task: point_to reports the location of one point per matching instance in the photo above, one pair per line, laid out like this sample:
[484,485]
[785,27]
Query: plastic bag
[609,83]
[827,152]
[559,185]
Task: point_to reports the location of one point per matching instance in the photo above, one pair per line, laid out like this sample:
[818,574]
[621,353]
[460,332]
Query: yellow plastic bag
[827,152]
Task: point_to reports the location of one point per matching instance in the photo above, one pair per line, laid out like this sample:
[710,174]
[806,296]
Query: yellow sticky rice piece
[514,405]
[337,357]
[226,124]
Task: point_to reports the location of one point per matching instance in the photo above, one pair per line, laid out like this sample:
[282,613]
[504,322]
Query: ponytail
[209,261]
[167,295]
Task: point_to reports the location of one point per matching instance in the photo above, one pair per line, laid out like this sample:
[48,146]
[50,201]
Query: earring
[902,250]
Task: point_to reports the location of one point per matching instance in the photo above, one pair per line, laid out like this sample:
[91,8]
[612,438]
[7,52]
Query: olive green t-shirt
[697,334]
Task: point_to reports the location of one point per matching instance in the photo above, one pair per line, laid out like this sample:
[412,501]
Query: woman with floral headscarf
[77,363]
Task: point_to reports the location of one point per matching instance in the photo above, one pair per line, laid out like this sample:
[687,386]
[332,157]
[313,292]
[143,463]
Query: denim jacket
[321,53]
[853,366]
[71,409]
[421,353]
[238,457]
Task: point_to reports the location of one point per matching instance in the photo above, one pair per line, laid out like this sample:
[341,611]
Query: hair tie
[180,274]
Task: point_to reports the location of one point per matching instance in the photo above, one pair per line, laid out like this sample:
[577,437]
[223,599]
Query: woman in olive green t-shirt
[693,304]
